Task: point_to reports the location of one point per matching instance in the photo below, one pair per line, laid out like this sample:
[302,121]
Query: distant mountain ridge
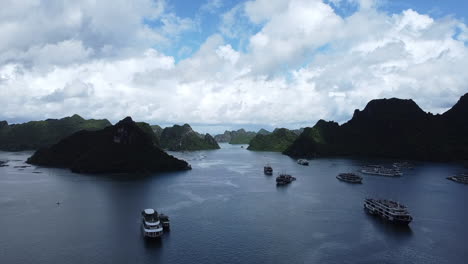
[178,138]
[38,134]
[124,147]
[279,140]
[240,136]
[393,128]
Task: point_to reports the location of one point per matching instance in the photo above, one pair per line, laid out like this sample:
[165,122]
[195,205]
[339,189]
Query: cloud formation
[301,62]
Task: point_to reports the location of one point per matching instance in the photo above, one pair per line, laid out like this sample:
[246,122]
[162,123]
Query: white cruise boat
[389,210]
[303,162]
[150,224]
[380,171]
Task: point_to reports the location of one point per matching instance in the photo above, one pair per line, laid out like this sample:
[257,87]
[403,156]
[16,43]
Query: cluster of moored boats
[388,210]
[378,170]
[153,224]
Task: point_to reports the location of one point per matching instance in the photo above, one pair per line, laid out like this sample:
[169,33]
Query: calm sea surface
[226,210]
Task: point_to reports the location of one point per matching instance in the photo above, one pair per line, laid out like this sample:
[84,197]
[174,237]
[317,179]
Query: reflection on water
[157,243]
[389,229]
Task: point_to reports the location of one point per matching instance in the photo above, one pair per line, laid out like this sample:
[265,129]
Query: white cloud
[291,32]
[302,62]
[211,6]
[99,28]
[75,89]
[174,25]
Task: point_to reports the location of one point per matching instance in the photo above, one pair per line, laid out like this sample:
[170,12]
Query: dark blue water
[227,211]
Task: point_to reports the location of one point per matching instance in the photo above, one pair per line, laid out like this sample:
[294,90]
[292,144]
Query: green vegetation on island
[124,147]
[278,141]
[392,128]
[236,137]
[38,134]
[179,138]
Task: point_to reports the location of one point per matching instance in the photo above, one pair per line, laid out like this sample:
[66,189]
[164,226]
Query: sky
[228,64]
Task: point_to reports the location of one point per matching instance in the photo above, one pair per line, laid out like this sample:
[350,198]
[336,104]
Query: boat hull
[152,234]
[358,181]
[381,174]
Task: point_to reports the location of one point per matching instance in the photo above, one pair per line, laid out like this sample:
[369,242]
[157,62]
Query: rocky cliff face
[179,138]
[389,128]
[124,147]
[38,134]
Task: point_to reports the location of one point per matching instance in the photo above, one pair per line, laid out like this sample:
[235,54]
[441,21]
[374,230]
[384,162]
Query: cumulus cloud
[61,33]
[302,61]
[75,89]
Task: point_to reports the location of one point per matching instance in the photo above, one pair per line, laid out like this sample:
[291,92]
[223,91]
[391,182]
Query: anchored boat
[284,179]
[349,177]
[164,221]
[381,171]
[268,170]
[403,165]
[303,162]
[151,224]
[389,210]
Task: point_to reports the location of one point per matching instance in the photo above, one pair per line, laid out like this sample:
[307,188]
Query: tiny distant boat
[461,178]
[164,221]
[374,166]
[284,179]
[403,165]
[381,171]
[349,177]
[268,170]
[303,162]
[151,224]
[388,210]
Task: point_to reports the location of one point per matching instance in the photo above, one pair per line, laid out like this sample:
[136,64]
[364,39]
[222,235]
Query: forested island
[121,148]
[392,128]
[38,134]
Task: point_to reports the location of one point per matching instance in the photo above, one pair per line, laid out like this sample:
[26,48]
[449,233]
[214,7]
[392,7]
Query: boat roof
[149,211]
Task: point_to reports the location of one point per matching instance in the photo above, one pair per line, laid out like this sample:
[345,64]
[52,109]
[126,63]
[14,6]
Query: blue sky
[228,64]
[209,21]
